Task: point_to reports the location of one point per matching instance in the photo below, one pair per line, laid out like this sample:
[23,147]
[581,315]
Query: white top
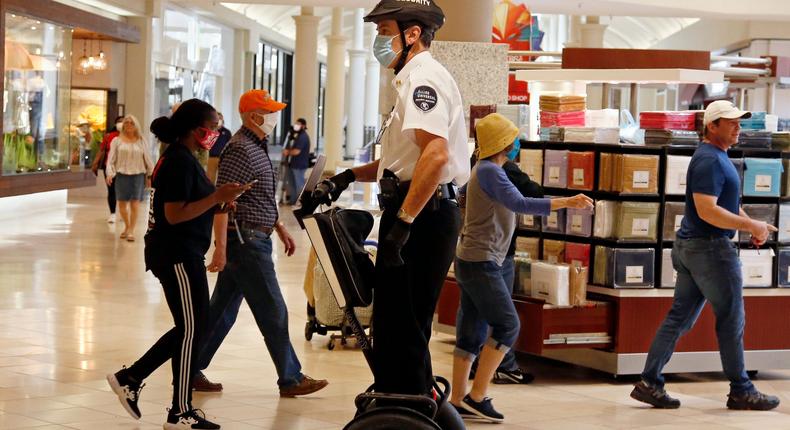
[128,158]
[428,100]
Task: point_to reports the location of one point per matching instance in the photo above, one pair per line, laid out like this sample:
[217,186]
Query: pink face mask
[206,138]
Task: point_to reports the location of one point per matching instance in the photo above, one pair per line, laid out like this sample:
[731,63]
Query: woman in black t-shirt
[179,234]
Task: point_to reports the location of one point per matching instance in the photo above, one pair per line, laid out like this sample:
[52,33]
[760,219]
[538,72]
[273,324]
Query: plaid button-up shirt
[244,160]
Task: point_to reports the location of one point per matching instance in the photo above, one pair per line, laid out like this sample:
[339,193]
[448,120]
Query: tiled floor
[76,304]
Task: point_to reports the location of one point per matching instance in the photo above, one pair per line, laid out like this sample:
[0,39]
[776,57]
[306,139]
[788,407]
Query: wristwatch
[405,217]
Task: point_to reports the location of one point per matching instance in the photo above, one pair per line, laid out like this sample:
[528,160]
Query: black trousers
[186,291]
[110,193]
[405,300]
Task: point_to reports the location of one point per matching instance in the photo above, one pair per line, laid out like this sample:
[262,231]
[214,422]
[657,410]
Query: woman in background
[100,162]
[129,167]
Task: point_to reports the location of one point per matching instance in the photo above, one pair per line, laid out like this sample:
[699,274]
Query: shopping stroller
[338,236]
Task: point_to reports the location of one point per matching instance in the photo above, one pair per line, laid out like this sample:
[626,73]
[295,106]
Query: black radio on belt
[389,185]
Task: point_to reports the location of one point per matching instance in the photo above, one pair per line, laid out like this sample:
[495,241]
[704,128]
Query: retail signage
[517,27]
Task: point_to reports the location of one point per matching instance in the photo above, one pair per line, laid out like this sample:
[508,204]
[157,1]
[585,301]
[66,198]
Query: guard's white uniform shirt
[428,100]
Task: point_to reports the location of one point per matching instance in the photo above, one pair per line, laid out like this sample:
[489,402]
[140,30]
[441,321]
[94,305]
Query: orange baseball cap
[259,99]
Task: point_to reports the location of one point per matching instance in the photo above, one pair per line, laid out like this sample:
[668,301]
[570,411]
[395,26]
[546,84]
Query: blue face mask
[516,148]
[382,50]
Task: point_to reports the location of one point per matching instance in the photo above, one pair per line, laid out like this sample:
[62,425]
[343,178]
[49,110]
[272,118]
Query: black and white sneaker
[517,376]
[653,395]
[128,392]
[483,409]
[753,401]
[464,413]
[194,419]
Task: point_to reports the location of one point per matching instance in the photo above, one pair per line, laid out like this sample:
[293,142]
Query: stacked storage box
[562,111]
[579,222]
[757,267]
[553,251]
[518,115]
[577,254]
[781,141]
[762,212]
[671,137]
[677,169]
[628,173]
[602,118]
[756,122]
[592,135]
[523,282]
[637,221]
[581,170]
[605,218]
[755,139]
[554,222]
[555,169]
[668,120]
[529,222]
[624,268]
[552,134]
[784,223]
[673,216]
[669,275]
[762,177]
[783,269]
[550,282]
[785,177]
[529,246]
[531,163]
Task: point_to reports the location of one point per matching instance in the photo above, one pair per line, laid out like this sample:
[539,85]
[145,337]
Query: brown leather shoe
[307,386]
[201,383]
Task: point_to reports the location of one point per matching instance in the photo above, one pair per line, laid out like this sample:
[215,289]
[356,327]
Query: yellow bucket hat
[494,134]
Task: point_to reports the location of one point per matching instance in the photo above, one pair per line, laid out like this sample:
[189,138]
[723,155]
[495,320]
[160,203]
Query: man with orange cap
[243,250]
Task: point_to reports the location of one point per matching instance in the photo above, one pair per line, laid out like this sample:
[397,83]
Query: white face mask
[269,122]
[119,126]
[297,127]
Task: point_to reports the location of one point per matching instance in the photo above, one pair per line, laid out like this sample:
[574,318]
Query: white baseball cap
[724,109]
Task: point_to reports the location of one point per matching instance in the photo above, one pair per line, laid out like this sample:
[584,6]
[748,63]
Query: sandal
[124,235]
[130,238]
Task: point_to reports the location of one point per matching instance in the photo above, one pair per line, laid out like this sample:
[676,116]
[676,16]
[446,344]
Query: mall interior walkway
[76,304]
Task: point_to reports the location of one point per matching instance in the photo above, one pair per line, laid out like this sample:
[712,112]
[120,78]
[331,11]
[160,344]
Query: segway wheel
[391,418]
[308,331]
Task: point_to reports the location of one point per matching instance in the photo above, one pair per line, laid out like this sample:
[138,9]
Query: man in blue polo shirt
[707,265]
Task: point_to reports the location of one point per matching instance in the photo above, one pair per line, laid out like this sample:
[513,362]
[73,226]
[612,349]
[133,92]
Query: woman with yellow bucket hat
[492,202]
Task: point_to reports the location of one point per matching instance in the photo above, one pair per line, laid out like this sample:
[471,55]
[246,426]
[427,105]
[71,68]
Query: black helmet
[426,12]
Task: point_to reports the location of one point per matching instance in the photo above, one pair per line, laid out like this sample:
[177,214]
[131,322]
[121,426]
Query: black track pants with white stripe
[186,291]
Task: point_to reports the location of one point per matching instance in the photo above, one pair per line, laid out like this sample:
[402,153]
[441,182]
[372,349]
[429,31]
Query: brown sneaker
[307,386]
[201,383]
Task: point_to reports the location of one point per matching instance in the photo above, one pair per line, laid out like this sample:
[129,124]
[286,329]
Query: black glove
[389,248]
[335,185]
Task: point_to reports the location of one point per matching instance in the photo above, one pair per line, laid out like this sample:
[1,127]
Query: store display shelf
[639,76]
[601,195]
[589,146]
[670,292]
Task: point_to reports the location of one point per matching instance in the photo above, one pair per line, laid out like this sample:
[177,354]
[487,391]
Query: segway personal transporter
[338,236]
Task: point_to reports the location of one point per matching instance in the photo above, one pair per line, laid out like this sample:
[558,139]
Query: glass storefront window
[89,119]
[36,98]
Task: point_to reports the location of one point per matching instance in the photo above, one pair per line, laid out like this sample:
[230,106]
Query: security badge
[425,98]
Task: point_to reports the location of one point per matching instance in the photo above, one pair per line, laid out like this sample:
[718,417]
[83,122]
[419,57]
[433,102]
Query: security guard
[424,155]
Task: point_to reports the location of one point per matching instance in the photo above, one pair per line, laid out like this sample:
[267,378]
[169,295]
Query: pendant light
[83,64]
[91,58]
[101,61]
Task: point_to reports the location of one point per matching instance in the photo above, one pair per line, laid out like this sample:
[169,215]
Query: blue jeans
[708,269]
[249,274]
[295,183]
[486,303]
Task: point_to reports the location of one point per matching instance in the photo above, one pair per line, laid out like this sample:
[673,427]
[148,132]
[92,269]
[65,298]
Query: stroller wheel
[308,331]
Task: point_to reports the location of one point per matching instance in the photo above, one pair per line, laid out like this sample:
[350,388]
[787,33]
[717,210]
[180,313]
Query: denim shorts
[130,187]
[486,307]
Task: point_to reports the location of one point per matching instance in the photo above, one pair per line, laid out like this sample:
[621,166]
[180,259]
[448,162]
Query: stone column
[335,91]
[140,75]
[356,90]
[305,89]
[372,86]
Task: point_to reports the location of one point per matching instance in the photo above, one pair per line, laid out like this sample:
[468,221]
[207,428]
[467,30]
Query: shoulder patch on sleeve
[425,98]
